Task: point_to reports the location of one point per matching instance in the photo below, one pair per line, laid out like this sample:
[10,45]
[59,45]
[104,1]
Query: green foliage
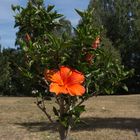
[50,47]
[5,78]
[109,81]
[37,26]
[35,20]
[105,73]
[76,113]
[46,46]
[121,20]
[12,83]
[6,85]
[55,111]
[73,116]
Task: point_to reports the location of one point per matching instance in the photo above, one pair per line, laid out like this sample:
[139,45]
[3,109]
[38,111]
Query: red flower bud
[89,58]
[27,37]
[96,43]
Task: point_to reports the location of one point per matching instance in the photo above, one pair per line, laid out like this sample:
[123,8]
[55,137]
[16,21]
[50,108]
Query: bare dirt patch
[106,118]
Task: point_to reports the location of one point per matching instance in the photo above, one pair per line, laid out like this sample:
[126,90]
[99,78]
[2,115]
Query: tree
[59,65]
[5,77]
[19,85]
[12,83]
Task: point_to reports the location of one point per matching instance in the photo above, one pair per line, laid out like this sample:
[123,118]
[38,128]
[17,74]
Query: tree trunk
[64,132]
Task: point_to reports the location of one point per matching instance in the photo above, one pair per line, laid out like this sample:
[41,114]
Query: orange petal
[56,78]
[65,72]
[76,89]
[75,78]
[57,89]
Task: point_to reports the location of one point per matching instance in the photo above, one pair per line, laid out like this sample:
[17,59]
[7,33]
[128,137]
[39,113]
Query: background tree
[121,21]
[5,75]
[12,82]
[65,28]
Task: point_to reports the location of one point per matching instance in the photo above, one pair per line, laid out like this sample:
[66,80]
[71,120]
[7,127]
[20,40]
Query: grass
[106,118]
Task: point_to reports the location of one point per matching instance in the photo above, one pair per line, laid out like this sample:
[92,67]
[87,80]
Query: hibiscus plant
[67,68]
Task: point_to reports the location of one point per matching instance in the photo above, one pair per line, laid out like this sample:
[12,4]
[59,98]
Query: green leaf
[87,84]
[25,72]
[78,110]
[30,63]
[80,13]
[55,111]
[63,122]
[13,7]
[37,12]
[125,88]
[16,25]
[50,7]
[58,16]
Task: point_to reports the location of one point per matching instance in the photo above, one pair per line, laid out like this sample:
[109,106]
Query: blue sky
[7,31]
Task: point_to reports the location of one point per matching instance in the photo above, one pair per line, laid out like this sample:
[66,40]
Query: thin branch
[43,108]
[80,102]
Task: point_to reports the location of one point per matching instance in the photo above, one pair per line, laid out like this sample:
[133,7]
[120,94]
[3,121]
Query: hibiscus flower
[67,81]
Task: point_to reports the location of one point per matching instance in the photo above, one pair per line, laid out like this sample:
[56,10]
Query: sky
[7,30]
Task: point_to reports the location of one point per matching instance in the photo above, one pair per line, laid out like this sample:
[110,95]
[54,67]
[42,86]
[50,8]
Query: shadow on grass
[38,126]
[89,124]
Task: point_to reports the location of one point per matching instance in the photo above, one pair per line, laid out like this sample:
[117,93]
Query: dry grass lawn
[106,118]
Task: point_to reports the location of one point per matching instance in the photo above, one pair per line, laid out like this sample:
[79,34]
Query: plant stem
[63,131]
[43,108]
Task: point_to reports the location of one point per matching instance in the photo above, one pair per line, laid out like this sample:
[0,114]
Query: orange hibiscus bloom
[96,43]
[67,81]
